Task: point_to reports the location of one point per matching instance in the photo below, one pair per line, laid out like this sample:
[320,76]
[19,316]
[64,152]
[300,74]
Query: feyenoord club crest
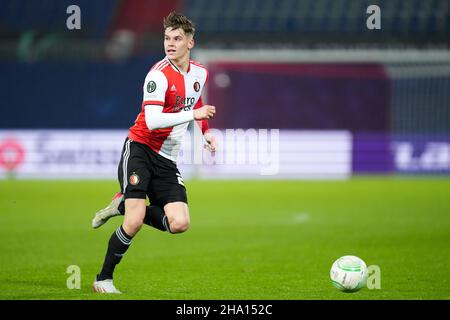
[197,86]
[134,179]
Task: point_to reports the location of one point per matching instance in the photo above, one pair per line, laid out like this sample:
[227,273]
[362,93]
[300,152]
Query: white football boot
[104,286]
[110,211]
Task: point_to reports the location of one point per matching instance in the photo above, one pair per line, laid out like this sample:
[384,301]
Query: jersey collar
[178,69]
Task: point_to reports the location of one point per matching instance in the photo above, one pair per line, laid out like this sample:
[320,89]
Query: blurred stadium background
[383,94]
[348,101]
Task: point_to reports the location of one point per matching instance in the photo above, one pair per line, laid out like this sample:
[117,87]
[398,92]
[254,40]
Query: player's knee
[134,216]
[132,226]
[179,225]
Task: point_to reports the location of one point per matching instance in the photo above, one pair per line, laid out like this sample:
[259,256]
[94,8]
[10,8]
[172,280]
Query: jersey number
[180,179]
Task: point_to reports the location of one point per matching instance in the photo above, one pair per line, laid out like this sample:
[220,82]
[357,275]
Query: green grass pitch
[248,240]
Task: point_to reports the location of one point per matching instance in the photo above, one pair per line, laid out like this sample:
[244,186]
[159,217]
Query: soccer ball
[349,273]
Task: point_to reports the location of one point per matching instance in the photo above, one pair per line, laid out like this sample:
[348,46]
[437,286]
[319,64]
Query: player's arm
[211,143]
[155,87]
[203,124]
[156,119]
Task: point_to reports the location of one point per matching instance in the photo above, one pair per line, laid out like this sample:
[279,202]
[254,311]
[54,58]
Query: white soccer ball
[349,273]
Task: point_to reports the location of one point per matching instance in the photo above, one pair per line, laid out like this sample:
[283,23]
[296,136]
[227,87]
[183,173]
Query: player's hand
[211,143]
[205,112]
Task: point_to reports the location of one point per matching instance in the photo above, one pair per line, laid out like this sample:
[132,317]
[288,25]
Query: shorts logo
[197,86]
[134,179]
[151,86]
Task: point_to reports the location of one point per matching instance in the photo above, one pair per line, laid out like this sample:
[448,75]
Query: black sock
[121,208]
[117,246]
[156,218]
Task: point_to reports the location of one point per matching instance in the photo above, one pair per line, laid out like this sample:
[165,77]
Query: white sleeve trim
[156,119]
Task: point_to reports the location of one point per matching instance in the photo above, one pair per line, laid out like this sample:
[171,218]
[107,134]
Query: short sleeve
[155,87]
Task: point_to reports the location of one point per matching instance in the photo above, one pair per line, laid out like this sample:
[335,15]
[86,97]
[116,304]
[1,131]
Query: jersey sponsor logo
[151,86]
[134,179]
[173,88]
[197,86]
[183,103]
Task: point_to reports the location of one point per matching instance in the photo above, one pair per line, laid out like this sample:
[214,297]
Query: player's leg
[115,208]
[134,178]
[154,215]
[169,199]
[120,241]
[168,210]
[134,216]
[174,217]
[178,216]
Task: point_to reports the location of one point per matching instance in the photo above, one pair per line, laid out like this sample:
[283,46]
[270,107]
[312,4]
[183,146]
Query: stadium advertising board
[249,153]
[427,154]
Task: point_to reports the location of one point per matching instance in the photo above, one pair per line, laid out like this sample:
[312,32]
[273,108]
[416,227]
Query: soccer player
[172,99]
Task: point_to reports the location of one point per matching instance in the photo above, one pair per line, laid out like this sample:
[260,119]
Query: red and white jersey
[167,86]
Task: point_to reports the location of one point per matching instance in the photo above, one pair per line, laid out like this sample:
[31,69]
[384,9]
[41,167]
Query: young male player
[172,99]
